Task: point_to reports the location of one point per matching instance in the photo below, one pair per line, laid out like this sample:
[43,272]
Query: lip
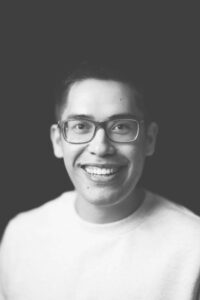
[102,165]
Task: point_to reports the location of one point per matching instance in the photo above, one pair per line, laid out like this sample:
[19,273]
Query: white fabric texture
[50,253]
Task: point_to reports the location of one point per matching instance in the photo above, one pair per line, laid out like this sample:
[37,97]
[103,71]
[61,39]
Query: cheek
[137,159]
[71,154]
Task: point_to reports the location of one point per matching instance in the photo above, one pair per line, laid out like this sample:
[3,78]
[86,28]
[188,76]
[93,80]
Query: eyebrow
[113,117]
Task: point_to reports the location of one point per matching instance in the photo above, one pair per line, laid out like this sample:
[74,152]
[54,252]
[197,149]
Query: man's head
[103,71]
[104,162]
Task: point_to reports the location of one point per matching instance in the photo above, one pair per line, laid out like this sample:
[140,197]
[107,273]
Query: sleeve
[197,297]
[2,295]
[198,293]
[2,264]
[6,250]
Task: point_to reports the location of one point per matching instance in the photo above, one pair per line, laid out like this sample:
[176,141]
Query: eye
[121,127]
[79,126]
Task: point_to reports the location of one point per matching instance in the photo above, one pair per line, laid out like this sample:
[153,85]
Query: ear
[151,136]
[56,141]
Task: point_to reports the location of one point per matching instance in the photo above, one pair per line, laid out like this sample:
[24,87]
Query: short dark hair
[102,70]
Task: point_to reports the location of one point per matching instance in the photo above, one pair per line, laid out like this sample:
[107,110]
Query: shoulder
[165,207]
[41,219]
[173,218]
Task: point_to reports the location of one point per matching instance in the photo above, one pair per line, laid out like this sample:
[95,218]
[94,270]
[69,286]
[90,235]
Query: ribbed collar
[116,227]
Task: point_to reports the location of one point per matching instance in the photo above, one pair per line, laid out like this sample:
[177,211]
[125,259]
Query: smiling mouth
[101,171]
[102,174]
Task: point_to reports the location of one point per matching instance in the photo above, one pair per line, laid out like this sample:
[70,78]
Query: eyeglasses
[80,131]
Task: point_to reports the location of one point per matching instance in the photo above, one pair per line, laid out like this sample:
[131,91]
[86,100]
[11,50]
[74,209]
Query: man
[108,239]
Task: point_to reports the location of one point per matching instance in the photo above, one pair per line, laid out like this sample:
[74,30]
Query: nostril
[101,148]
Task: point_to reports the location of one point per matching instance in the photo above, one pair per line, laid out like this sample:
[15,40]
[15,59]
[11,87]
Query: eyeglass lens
[81,130]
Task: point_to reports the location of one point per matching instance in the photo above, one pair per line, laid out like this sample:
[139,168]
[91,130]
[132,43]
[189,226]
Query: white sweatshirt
[49,253]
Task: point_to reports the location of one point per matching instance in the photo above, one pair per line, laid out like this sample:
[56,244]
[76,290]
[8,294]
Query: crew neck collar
[120,226]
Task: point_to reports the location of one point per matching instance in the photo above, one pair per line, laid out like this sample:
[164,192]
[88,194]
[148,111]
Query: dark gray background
[39,40]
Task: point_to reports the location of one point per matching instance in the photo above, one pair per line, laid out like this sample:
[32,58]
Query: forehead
[101,99]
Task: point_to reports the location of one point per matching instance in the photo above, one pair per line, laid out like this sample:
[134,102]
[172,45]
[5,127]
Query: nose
[101,145]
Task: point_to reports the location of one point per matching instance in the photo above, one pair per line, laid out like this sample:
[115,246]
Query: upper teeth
[100,171]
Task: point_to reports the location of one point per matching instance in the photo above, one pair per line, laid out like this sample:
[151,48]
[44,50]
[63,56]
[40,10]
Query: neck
[109,213]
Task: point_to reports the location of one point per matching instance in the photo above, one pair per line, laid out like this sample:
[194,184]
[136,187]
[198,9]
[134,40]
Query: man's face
[123,163]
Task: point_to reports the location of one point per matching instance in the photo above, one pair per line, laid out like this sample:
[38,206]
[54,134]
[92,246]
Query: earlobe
[152,132]
[56,141]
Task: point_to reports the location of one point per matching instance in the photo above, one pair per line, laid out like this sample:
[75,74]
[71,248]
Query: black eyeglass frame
[98,125]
